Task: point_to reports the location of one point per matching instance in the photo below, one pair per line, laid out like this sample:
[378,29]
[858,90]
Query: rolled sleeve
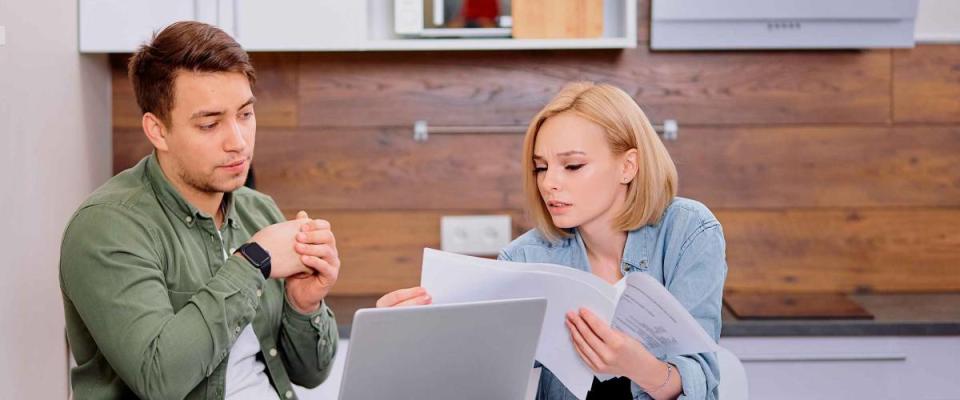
[692,379]
[308,344]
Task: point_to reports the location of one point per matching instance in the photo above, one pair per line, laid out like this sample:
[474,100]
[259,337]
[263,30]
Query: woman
[601,189]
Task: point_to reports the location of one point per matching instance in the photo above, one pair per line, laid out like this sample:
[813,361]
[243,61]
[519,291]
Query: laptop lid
[479,350]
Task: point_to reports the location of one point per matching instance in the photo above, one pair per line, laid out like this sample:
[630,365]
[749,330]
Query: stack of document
[638,305]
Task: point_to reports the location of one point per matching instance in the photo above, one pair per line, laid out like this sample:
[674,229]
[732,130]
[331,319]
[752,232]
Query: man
[177,281]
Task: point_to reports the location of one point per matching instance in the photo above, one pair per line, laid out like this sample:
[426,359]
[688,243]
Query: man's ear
[155,130]
[630,166]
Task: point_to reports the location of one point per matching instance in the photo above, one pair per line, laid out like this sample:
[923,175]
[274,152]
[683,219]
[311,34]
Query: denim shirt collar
[171,198]
[635,251]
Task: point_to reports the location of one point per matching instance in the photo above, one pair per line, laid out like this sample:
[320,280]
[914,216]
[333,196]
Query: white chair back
[733,377]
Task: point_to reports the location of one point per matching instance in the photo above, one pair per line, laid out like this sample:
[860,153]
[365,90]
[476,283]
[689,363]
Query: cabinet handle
[421,131]
[824,357]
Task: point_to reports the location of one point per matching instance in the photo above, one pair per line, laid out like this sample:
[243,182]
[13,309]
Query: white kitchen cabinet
[112,26]
[871,367]
[120,26]
[292,25]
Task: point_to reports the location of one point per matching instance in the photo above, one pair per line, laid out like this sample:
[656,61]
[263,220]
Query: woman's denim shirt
[685,251]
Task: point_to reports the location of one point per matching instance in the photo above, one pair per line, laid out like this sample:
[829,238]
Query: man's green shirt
[152,307]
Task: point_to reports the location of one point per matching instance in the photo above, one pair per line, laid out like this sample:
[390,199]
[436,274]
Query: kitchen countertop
[934,314]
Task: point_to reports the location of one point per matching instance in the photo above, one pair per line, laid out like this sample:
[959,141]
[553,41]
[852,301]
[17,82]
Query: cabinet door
[889,367]
[115,26]
[265,25]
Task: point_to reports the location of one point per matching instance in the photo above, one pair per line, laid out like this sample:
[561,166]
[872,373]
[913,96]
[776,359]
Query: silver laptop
[481,350]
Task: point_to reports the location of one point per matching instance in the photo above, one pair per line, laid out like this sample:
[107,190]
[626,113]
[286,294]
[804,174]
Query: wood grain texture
[384,169]
[126,112]
[508,88]
[276,89]
[843,250]
[926,84]
[831,171]
[796,251]
[819,167]
[793,306]
[129,146]
[543,19]
[742,168]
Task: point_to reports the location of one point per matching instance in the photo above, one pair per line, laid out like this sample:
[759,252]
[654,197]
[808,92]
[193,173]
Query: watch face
[256,254]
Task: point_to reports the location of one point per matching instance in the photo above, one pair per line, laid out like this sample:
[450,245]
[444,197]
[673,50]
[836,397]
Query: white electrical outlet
[478,235]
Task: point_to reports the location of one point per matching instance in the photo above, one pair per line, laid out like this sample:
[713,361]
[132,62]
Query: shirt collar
[171,198]
[635,252]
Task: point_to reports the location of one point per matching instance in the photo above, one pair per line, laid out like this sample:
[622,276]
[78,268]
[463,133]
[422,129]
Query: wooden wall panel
[833,250]
[276,89]
[129,146]
[823,166]
[927,84]
[847,250]
[384,169]
[830,170]
[742,168]
[126,112]
[506,88]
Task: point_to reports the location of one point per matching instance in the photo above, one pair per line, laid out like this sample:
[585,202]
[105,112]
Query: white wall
[54,150]
[937,21]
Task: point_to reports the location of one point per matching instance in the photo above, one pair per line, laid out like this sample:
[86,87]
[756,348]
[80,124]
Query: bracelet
[665,381]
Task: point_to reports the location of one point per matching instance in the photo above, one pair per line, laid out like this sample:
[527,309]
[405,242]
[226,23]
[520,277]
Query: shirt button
[188,219]
[289,394]
[316,320]
[273,352]
[259,293]
[236,330]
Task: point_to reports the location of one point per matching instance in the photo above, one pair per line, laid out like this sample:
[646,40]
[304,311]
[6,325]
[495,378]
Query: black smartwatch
[257,256]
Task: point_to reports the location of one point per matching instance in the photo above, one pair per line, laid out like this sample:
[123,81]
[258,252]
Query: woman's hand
[415,296]
[605,350]
[609,351]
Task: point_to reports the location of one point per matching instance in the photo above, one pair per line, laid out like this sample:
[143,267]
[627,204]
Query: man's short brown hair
[187,46]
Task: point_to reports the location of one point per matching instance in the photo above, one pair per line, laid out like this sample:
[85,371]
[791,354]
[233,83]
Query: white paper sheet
[453,278]
[649,313]
[646,312]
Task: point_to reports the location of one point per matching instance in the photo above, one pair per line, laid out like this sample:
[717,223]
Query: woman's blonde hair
[626,127]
